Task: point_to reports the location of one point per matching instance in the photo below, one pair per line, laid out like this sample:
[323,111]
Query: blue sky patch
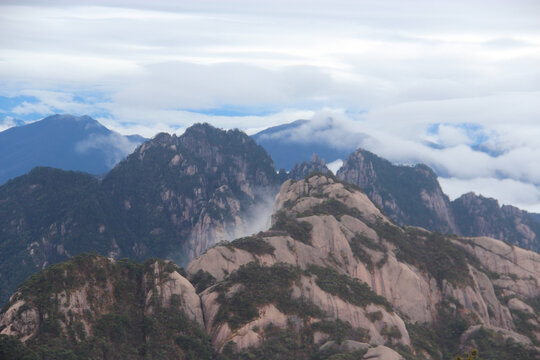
[8,106]
[475,132]
[233,111]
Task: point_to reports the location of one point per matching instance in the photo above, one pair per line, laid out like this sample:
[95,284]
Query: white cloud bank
[113,145]
[6,123]
[422,81]
[335,165]
[507,191]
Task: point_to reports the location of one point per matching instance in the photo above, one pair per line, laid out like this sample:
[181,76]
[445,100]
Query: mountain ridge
[411,195]
[172,198]
[332,276]
[283,144]
[62,141]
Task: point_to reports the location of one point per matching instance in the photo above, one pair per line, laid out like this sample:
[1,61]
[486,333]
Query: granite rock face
[331,274]
[350,235]
[98,307]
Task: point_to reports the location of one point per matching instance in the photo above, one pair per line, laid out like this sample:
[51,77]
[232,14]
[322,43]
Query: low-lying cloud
[451,84]
[494,160]
[114,146]
[506,191]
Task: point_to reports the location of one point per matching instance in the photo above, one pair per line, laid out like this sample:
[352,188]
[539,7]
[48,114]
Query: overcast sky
[453,84]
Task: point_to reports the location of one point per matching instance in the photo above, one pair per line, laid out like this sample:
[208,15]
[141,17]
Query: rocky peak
[338,239]
[478,215]
[410,195]
[203,182]
[304,169]
[172,198]
[164,139]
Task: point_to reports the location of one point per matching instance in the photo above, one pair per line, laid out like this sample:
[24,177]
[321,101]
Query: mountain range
[411,195]
[331,278]
[171,198]
[297,265]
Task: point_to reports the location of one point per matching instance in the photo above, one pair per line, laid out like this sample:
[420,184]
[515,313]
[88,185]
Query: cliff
[409,195]
[99,308]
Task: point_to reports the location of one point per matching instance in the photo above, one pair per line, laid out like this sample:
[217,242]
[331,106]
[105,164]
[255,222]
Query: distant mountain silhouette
[286,149]
[62,141]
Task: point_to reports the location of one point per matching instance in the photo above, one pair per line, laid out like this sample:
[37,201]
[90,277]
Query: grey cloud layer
[390,70]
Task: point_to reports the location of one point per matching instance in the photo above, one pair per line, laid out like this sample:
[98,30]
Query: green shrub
[202,280]
[13,348]
[299,230]
[334,208]
[261,286]
[392,332]
[375,316]
[492,345]
[424,338]
[339,330]
[361,239]
[254,245]
[430,252]
[351,290]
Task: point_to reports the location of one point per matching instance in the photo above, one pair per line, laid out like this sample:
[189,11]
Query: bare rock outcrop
[300,171]
[97,289]
[330,269]
[382,353]
[348,233]
[518,269]
[163,289]
[19,320]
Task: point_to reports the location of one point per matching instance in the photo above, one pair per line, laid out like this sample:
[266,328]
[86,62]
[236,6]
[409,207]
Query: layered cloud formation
[452,84]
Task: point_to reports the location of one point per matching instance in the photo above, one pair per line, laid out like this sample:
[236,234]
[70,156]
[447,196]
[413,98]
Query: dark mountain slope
[185,192]
[172,198]
[477,215]
[409,195]
[65,142]
[287,149]
[45,217]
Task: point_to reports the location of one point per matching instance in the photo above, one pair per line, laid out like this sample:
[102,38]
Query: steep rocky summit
[304,169]
[190,191]
[411,195]
[172,198]
[478,215]
[345,265]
